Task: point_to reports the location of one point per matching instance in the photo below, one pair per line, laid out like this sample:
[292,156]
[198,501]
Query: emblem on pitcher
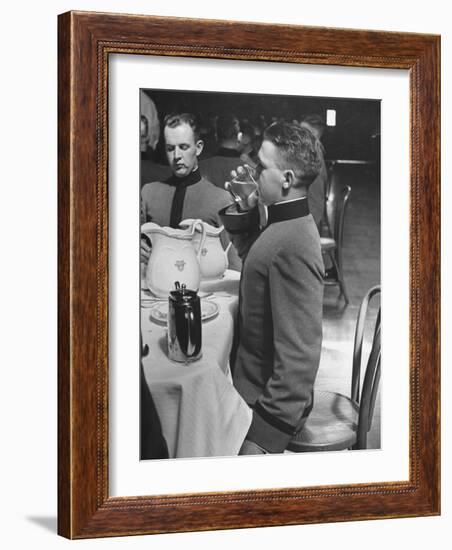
[180,264]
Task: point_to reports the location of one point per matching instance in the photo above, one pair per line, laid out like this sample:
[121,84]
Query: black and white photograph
[226,204]
[259,249]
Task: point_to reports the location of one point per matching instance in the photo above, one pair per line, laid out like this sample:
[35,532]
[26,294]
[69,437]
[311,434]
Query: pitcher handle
[146,238]
[191,347]
[203,238]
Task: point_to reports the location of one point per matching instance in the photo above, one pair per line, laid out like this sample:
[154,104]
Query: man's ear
[289,179]
[199,147]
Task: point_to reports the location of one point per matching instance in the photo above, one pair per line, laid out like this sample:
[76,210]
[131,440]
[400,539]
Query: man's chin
[182,172]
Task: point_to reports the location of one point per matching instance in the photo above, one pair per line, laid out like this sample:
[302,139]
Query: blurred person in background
[227,157]
[150,170]
[249,144]
[316,194]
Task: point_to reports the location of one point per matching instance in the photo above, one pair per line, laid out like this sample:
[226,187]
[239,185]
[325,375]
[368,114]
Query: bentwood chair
[339,422]
[337,196]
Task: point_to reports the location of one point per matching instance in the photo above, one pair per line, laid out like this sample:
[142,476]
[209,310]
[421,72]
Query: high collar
[288,210]
[228,152]
[190,179]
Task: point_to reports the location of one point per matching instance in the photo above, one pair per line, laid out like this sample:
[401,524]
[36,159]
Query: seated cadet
[281,291]
[186,194]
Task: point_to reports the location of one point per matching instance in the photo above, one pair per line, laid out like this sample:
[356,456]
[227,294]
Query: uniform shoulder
[214,191]
[153,185]
[149,188]
[294,235]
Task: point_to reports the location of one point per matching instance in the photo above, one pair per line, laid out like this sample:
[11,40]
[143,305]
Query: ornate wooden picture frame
[86,40]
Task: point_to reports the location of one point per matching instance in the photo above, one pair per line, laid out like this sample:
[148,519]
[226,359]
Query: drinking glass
[242,186]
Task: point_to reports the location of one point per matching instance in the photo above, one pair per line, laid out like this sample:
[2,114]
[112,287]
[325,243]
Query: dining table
[197,408]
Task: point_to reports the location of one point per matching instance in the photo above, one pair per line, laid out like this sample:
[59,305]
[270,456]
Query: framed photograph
[174,297]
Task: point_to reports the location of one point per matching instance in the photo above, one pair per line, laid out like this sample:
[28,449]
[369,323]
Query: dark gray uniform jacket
[281,295]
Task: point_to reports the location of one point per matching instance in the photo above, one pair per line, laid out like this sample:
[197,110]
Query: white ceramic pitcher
[173,258]
[213,260]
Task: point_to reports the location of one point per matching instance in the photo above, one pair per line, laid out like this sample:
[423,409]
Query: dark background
[356,135]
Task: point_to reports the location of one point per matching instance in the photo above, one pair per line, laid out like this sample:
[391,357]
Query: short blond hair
[299,150]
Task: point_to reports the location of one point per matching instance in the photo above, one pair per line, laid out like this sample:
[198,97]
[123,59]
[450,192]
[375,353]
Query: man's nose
[177,153]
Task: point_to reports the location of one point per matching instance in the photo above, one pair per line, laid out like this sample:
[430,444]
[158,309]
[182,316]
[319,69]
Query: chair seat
[327,243]
[331,426]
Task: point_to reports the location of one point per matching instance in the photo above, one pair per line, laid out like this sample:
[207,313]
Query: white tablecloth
[200,412]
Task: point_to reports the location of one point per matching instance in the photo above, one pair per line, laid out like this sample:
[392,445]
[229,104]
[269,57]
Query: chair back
[367,397]
[336,198]
[335,206]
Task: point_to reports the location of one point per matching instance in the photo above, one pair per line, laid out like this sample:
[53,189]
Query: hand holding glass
[243,187]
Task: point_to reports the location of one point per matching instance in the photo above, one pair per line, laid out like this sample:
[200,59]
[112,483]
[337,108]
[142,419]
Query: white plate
[159,313]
